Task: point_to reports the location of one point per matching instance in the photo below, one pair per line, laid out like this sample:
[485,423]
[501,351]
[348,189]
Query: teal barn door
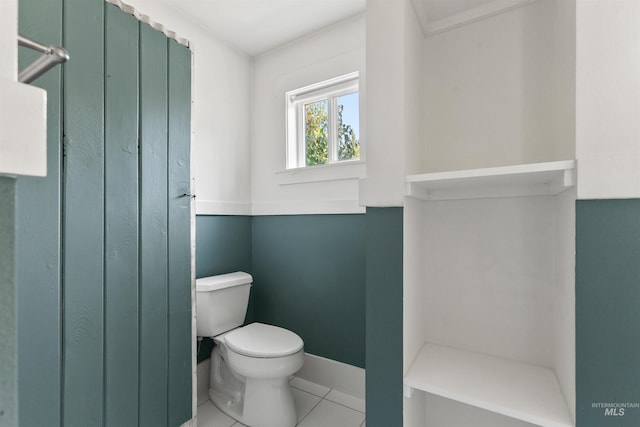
[38,241]
[103,241]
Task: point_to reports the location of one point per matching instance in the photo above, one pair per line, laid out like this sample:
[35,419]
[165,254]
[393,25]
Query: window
[323,123]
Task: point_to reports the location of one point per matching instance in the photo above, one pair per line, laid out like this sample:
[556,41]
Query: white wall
[383,185]
[220,115]
[564,347]
[608,98]
[334,51]
[23,108]
[489,271]
[413,319]
[8,46]
[499,91]
[414,152]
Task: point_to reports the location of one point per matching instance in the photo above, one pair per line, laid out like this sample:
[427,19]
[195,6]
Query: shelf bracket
[415,192]
[567,180]
[407,391]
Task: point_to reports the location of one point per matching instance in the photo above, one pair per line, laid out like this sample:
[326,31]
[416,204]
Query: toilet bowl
[250,365]
[256,361]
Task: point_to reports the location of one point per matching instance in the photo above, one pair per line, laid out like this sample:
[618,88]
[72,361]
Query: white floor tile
[210,416]
[304,401]
[309,387]
[329,414]
[346,400]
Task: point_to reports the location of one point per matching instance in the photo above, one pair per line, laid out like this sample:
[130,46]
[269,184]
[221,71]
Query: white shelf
[515,389]
[533,179]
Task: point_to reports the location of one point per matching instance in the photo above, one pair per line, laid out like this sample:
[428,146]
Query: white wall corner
[607,99]
[385,105]
[23,120]
[382,191]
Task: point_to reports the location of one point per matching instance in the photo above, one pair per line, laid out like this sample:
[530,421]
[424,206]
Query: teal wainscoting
[103,241]
[223,245]
[309,277]
[384,316]
[607,311]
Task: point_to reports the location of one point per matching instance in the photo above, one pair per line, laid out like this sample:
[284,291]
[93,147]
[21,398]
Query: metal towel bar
[51,56]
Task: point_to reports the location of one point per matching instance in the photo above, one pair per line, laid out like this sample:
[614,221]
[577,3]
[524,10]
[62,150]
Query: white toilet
[250,365]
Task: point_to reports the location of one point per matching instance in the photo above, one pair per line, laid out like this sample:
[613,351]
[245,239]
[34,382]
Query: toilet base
[264,404]
[254,402]
[269,403]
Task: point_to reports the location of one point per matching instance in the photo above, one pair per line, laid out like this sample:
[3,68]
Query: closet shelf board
[508,387]
[534,179]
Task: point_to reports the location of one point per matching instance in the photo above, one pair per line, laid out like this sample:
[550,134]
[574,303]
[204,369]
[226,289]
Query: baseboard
[329,373]
[348,379]
[203,381]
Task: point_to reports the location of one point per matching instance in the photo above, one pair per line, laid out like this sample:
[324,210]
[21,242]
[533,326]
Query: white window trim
[347,169]
[295,101]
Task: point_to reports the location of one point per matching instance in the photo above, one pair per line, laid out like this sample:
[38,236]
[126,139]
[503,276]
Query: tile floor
[317,406]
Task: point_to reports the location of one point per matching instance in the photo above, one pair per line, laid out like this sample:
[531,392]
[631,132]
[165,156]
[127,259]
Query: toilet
[250,365]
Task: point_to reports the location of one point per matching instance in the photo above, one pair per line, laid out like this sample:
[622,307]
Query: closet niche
[489,298]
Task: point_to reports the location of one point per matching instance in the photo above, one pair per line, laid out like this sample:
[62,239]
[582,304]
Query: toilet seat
[265,341]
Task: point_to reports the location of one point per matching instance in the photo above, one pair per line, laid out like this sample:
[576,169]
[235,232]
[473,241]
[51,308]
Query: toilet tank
[221,302]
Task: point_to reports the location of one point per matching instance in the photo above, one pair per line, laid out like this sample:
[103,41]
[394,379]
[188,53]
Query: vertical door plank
[153,228]
[38,240]
[121,218]
[179,234]
[83,217]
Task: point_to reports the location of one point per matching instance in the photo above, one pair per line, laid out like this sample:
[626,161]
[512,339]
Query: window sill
[333,172]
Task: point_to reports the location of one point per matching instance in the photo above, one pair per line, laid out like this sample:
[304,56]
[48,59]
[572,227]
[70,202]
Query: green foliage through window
[316,133]
[316,136]
[348,142]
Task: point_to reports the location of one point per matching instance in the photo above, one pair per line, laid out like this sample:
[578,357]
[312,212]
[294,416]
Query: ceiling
[256,26]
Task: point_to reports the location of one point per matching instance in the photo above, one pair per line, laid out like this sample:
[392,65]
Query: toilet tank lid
[221,281]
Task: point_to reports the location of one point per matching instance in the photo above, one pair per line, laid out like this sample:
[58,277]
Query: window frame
[296,100]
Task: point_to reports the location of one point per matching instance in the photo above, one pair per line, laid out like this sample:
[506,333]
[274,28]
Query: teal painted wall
[607,310]
[223,244]
[103,242]
[384,316]
[309,277]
